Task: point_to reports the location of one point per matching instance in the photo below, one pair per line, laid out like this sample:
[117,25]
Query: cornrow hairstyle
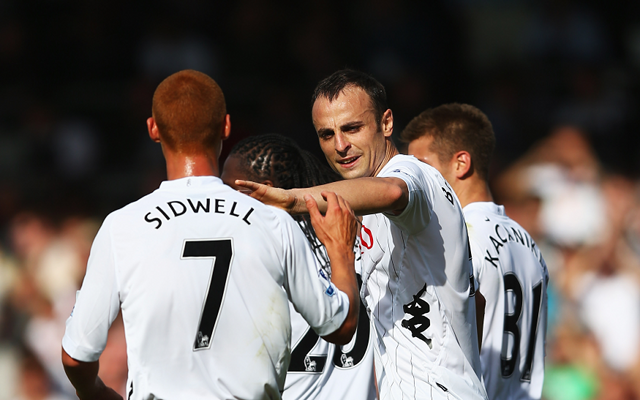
[331,87]
[279,159]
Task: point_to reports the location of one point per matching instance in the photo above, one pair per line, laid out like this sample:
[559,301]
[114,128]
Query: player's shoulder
[410,168]
[208,192]
[484,213]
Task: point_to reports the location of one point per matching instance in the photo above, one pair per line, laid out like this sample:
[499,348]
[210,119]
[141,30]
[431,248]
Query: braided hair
[279,159]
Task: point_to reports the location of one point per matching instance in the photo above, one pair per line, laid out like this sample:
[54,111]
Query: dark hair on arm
[331,87]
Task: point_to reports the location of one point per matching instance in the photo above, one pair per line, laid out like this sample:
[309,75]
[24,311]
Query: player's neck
[181,165]
[390,151]
[472,190]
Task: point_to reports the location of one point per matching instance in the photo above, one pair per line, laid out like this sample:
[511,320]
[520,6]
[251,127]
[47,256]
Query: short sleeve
[308,286]
[97,302]
[417,214]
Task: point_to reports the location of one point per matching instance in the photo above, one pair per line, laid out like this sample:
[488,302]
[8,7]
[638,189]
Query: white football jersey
[199,270]
[321,370]
[513,277]
[417,286]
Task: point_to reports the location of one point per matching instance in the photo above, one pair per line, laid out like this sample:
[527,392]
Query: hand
[339,226]
[280,198]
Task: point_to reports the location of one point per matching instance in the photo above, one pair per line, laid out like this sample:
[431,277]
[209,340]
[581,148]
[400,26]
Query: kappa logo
[347,362]
[330,291]
[369,242]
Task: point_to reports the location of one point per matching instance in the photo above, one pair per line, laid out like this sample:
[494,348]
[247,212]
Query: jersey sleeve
[97,302]
[417,214]
[477,260]
[308,286]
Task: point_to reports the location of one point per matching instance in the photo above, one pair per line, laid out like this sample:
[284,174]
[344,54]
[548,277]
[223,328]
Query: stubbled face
[349,135]
[421,149]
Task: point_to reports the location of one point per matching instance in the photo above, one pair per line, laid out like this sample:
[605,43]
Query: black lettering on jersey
[246,217]
[448,195]
[498,234]
[175,213]
[219,206]
[130,392]
[496,243]
[150,220]
[199,206]
[162,212]
[519,236]
[418,323]
[491,259]
[233,208]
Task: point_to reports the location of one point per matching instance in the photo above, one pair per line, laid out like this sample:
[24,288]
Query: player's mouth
[348,162]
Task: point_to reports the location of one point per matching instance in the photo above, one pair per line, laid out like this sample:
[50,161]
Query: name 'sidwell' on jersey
[504,235]
[176,208]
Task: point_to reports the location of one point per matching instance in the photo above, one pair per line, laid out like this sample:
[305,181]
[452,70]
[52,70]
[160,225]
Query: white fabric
[610,308]
[418,263]
[316,371]
[501,247]
[140,262]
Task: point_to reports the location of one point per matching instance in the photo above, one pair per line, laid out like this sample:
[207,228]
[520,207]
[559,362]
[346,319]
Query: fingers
[312,207]
[253,189]
[248,184]
[332,198]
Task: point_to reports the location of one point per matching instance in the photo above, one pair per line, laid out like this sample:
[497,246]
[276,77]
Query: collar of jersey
[190,182]
[485,206]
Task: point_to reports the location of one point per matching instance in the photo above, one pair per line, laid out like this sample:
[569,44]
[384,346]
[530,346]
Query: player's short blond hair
[455,127]
[189,110]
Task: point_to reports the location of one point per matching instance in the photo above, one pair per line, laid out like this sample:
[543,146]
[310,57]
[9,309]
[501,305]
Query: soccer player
[204,274]
[318,369]
[458,140]
[417,274]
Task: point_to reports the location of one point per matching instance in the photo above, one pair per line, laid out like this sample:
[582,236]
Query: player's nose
[341,143]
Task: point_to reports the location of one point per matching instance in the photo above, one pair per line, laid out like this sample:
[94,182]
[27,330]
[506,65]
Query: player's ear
[152,127]
[462,167]
[387,123]
[226,131]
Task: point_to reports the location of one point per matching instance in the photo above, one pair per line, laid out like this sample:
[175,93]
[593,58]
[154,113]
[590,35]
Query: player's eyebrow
[351,125]
[322,132]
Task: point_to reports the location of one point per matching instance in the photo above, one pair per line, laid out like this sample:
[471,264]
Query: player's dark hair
[455,127]
[331,87]
[279,159]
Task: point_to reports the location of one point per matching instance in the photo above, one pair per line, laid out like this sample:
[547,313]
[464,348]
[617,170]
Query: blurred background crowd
[559,79]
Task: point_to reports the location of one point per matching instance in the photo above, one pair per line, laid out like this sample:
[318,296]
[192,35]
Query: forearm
[82,375]
[343,276]
[365,195]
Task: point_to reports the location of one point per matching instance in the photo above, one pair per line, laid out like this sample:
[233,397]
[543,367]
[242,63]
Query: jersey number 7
[221,250]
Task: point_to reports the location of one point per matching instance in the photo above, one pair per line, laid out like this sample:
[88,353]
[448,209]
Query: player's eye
[325,134]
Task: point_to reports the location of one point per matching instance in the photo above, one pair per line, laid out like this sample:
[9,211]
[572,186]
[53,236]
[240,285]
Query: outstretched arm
[364,195]
[84,377]
[337,232]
